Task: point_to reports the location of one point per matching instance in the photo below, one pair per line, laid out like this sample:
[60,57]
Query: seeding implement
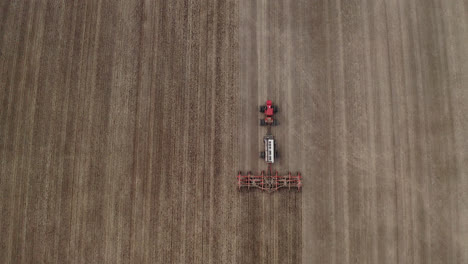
[269,181]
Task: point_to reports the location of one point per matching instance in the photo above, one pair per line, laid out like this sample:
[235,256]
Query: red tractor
[269,110]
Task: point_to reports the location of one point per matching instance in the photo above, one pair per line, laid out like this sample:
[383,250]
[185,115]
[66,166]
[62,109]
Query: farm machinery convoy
[269,181]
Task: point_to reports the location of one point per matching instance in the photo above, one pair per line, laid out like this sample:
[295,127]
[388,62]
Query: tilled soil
[123,125]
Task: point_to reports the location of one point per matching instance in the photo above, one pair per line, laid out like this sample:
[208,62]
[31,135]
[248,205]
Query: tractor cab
[269,111]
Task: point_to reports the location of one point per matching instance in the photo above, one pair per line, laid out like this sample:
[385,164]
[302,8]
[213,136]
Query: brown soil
[123,125]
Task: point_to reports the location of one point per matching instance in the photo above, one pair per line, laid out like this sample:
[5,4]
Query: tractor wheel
[275,109]
[262,109]
[262,122]
[275,122]
[262,154]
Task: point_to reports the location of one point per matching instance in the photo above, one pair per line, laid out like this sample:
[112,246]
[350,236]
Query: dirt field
[123,125]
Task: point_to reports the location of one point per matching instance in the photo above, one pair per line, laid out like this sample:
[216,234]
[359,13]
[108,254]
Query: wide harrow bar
[269,182]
